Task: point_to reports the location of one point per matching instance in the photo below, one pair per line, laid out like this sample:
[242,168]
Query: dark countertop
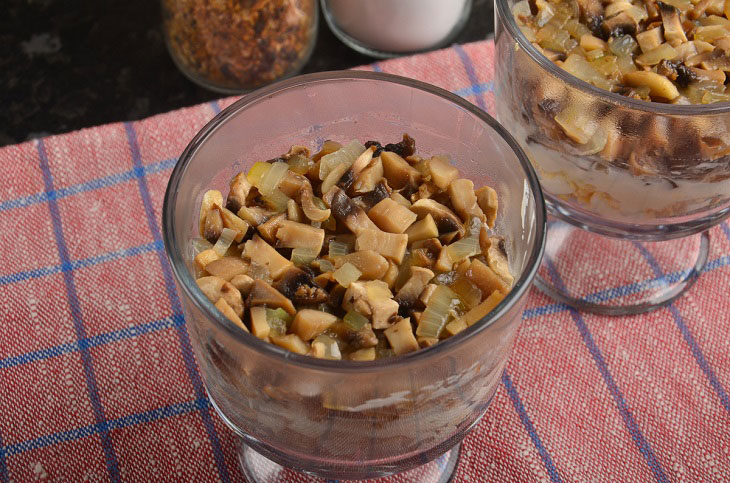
[69,65]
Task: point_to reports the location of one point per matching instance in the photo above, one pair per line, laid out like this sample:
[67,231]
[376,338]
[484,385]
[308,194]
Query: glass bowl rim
[187,282]
[504,15]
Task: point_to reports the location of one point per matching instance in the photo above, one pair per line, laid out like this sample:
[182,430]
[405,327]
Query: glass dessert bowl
[348,419]
[632,186]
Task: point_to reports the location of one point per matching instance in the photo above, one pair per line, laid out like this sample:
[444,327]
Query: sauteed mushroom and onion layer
[624,162]
[356,252]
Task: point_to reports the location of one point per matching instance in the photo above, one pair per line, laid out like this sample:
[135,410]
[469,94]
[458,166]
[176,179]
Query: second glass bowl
[615,166]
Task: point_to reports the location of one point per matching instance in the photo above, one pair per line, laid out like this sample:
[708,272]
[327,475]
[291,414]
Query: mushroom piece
[392,217]
[309,323]
[239,188]
[591,12]
[294,211]
[227,268]
[299,286]
[390,245]
[333,177]
[497,260]
[298,235]
[269,228]
[400,337]
[243,283]
[356,339]
[423,229]
[362,354]
[372,299]
[211,199]
[488,202]
[658,85]
[312,211]
[263,294]
[650,39]
[409,292]
[206,257]
[348,178]
[368,177]
[398,172]
[347,212]
[372,264]
[485,278]
[391,275]
[673,31]
[213,226]
[380,192]
[426,293]
[400,199]
[229,313]
[442,172]
[232,221]
[215,288]
[620,24]
[264,254]
[464,200]
[290,342]
[445,219]
[259,325]
[254,215]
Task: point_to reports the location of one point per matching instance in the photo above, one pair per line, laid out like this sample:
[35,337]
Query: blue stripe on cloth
[688,338]
[165,412]
[726,228]
[376,67]
[470,73]
[475,90]
[185,347]
[4,477]
[78,264]
[215,106]
[78,322]
[527,423]
[94,184]
[629,421]
[174,320]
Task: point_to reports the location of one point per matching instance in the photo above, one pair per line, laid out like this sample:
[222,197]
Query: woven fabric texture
[98,381]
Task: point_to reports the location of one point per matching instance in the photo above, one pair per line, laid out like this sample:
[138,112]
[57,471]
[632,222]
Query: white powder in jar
[397,25]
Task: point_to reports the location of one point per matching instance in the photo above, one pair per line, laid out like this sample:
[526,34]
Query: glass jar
[389,28]
[235,46]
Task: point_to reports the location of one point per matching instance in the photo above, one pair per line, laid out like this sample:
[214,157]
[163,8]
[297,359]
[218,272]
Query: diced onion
[346,155]
[276,200]
[300,164]
[303,256]
[225,240]
[355,320]
[325,266]
[200,245]
[270,181]
[437,312]
[464,248]
[346,274]
[257,171]
[279,316]
[654,56]
[338,248]
[378,291]
[326,347]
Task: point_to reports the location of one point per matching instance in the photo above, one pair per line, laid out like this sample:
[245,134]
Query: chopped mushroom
[673,31]
[445,219]
[371,264]
[216,288]
[227,267]
[266,255]
[298,235]
[390,245]
[398,172]
[400,337]
[373,300]
[239,188]
[342,257]
[487,199]
[391,217]
[309,323]
[264,294]
[464,200]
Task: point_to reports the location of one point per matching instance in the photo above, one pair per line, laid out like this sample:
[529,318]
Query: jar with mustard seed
[234,46]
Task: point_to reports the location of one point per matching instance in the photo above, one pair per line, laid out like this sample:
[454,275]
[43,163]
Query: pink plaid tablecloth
[98,382]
